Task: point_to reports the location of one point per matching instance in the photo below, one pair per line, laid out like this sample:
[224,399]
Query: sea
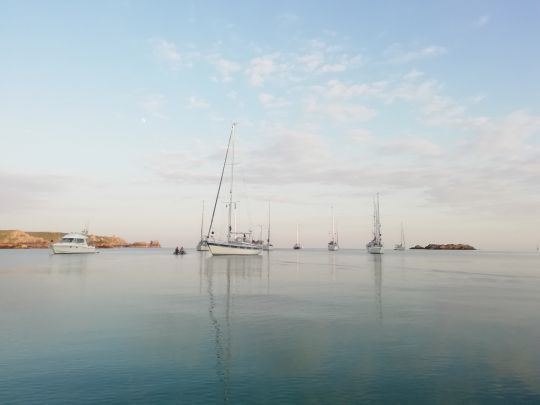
[142,326]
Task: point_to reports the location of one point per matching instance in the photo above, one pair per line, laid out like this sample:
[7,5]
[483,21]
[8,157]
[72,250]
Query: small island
[15,239]
[448,246]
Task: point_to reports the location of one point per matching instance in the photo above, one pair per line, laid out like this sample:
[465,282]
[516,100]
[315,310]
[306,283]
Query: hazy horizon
[117,114]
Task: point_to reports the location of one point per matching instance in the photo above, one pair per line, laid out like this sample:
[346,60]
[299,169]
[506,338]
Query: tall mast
[297,240]
[333,226]
[402,236]
[268,240]
[378,219]
[229,228]
[202,219]
[220,181]
[374,220]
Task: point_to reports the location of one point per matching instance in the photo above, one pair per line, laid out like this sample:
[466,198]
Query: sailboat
[202,246]
[401,244]
[267,246]
[333,245]
[297,245]
[375,246]
[237,243]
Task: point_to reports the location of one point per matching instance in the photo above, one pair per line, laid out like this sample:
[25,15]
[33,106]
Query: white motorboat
[375,246]
[73,243]
[237,243]
[333,245]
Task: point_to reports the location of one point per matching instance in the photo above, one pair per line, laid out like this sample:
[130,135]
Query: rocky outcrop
[105,242]
[448,246]
[15,239]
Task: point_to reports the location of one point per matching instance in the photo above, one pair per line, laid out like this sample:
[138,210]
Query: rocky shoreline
[16,239]
[448,246]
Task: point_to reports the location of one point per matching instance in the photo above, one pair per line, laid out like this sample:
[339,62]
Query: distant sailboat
[375,246]
[297,245]
[401,244]
[267,246]
[237,243]
[202,246]
[333,245]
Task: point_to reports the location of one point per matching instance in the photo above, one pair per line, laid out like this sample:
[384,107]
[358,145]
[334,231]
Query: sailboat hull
[202,246]
[375,250]
[237,249]
[333,247]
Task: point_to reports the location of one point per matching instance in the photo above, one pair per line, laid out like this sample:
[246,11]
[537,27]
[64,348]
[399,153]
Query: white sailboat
[237,243]
[202,246]
[297,245]
[401,244]
[375,246]
[333,245]
[267,246]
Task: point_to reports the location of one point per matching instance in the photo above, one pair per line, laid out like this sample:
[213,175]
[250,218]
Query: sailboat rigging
[401,244]
[375,246]
[202,245]
[237,243]
[333,245]
[297,245]
[267,246]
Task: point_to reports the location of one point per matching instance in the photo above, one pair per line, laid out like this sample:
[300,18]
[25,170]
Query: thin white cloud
[398,54]
[341,101]
[168,53]
[339,111]
[198,103]
[225,67]
[410,146]
[360,135]
[319,57]
[413,74]
[272,102]
[153,106]
[288,18]
[263,67]
[482,21]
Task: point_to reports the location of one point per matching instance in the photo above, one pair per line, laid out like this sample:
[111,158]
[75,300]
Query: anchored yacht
[73,243]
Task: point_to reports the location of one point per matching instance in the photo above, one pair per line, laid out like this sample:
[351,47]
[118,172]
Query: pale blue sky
[118,112]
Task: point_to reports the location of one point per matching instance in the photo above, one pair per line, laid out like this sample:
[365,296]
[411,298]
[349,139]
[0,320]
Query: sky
[117,113]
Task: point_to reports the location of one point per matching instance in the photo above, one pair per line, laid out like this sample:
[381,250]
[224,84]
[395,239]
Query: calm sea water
[144,326]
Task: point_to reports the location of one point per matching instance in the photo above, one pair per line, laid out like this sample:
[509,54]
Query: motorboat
[73,243]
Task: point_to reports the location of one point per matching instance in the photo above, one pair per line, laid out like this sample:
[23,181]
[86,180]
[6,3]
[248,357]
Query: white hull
[398,247]
[268,248]
[333,247]
[202,246]
[65,248]
[224,248]
[375,250]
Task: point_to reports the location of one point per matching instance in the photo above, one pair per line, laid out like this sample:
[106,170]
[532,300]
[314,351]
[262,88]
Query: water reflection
[66,264]
[231,268]
[377,278]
